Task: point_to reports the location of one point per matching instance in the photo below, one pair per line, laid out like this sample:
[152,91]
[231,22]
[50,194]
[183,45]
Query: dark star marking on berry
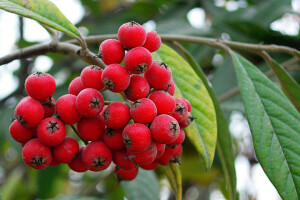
[109,132]
[21,120]
[37,161]
[99,162]
[141,68]
[95,103]
[164,65]
[108,83]
[136,103]
[52,127]
[168,88]
[39,74]
[127,141]
[94,67]
[180,108]
[133,23]
[173,127]
[175,159]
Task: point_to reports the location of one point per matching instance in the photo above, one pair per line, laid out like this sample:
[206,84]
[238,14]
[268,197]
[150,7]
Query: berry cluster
[145,131]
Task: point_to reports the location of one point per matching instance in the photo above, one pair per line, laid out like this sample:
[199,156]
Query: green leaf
[275,127]
[202,133]
[145,186]
[42,11]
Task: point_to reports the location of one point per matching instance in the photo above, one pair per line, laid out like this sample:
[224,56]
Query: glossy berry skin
[158,75]
[40,86]
[160,150]
[138,60]
[136,137]
[171,155]
[51,131]
[89,102]
[96,156]
[163,101]
[120,158]
[150,166]
[75,86]
[138,88]
[66,151]
[91,77]
[124,175]
[179,139]
[21,133]
[189,107]
[143,111]
[165,129]
[111,51]
[113,139]
[145,157]
[187,122]
[170,88]
[36,154]
[76,164]
[29,112]
[132,34]
[91,129]
[66,109]
[116,115]
[49,109]
[152,42]
[115,78]
[181,111]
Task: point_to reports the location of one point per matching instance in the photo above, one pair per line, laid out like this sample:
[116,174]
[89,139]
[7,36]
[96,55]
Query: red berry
[116,115]
[54,162]
[111,51]
[153,41]
[125,175]
[75,86]
[91,77]
[96,156]
[36,154]
[66,151]
[29,112]
[189,107]
[121,159]
[145,157]
[164,102]
[51,131]
[160,150]
[187,122]
[113,139]
[170,88]
[158,75]
[143,111]
[171,155]
[115,78]
[138,60]
[40,86]
[180,138]
[181,111]
[89,102]
[138,88]
[49,109]
[137,137]
[66,109]
[76,164]
[165,129]
[91,129]
[21,133]
[150,166]
[131,34]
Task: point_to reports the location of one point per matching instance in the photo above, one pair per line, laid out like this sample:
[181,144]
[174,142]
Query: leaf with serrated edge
[275,128]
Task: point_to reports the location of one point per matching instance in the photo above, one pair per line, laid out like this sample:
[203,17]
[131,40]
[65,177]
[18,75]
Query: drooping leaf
[203,132]
[275,127]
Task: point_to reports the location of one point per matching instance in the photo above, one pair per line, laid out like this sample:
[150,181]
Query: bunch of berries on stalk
[145,131]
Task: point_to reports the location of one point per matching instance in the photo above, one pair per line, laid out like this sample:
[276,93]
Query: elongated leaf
[203,133]
[145,186]
[275,128]
[42,11]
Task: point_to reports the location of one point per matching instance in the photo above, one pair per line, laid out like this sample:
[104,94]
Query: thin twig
[76,131]
[107,102]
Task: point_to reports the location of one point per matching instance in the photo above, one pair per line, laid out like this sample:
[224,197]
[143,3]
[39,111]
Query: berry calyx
[188,121]
[51,131]
[181,111]
[111,51]
[138,60]
[132,34]
[170,88]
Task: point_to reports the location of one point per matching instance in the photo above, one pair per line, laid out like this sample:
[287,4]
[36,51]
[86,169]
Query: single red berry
[115,78]
[181,111]
[91,129]
[132,34]
[120,158]
[116,115]
[40,86]
[137,137]
[171,155]
[138,88]
[76,164]
[170,88]
[66,109]
[54,162]
[75,86]
[153,41]
[180,138]
[160,150]
[145,157]
[89,102]
[21,133]
[111,51]
[113,139]
[138,60]
[143,111]
[187,122]
[150,166]
[163,101]
[96,156]
[51,131]
[189,107]
[165,129]
[158,75]
[66,151]
[91,77]
[36,154]
[125,175]
[29,112]
[49,107]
